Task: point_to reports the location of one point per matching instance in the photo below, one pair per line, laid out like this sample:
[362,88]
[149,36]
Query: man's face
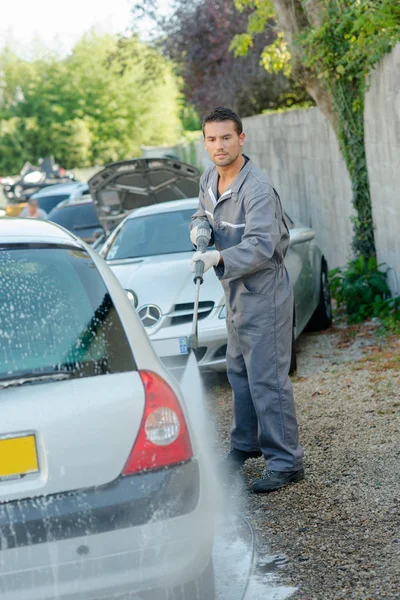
[223,143]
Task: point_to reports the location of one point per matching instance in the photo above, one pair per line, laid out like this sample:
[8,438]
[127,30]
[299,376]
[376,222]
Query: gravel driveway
[340,528]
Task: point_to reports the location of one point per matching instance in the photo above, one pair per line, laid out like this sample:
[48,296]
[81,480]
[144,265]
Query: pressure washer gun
[202,241]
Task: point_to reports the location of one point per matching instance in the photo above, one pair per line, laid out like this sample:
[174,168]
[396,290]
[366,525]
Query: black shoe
[235,459]
[274,480]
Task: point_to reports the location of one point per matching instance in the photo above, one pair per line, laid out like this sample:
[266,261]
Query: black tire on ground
[202,588]
[322,317]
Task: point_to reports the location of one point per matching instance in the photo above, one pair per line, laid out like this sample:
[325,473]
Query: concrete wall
[382,132]
[299,152]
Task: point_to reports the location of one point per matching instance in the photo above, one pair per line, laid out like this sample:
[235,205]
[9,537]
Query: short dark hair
[220,114]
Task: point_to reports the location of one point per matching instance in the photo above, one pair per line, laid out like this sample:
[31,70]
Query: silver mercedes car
[146,206]
[150,253]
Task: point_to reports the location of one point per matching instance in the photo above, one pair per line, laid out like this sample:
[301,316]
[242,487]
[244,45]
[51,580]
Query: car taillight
[163,438]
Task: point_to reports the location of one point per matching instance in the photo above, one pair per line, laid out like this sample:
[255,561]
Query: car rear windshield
[162,233]
[56,315]
[75,217]
[47,203]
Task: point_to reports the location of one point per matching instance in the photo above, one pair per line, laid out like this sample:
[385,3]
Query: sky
[59,24]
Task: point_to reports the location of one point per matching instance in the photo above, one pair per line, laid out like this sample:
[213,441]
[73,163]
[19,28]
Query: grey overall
[250,232]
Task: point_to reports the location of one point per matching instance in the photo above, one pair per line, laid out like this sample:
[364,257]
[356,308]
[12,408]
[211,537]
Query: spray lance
[202,241]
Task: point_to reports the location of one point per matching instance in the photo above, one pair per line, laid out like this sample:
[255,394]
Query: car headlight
[133,298]
[222,314]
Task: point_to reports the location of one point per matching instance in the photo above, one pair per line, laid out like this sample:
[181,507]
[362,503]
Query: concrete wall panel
[382,134]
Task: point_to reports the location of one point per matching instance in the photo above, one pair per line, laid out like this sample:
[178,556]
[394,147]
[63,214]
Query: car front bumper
[212,342]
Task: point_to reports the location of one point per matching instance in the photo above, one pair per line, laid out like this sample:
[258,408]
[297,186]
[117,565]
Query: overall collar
[233,189]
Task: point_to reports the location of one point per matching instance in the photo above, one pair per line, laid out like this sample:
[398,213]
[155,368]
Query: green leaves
[335,45]
[97,105]
[241,44]
[263,12]
[352,38]
[276,57]
[361,290]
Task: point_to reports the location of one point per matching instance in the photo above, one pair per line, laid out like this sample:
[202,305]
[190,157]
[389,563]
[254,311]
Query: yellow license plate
[18,456]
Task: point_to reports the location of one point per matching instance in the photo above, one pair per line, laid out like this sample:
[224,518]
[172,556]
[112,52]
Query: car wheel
[322,317]
[202,588]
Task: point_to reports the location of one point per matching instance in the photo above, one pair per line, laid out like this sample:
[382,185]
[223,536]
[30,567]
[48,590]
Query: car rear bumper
[105,572]
[126,502]
[118,538]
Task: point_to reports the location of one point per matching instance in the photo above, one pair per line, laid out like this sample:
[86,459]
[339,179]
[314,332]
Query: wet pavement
[241,574]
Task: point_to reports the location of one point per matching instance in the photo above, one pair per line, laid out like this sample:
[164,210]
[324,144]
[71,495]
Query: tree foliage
[97,105]
[197,37]
[334,45]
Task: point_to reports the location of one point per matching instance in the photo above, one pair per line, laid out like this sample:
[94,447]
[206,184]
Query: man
[251,237]
[32,211]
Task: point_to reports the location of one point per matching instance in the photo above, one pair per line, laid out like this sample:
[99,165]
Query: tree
[97,105]
[197,36]
[334,45]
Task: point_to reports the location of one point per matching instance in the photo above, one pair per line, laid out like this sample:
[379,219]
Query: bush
[361,291]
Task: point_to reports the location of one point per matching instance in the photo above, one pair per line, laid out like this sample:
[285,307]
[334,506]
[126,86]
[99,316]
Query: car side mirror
[300,235]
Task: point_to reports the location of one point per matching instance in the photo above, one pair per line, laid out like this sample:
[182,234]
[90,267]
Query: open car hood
[123,186]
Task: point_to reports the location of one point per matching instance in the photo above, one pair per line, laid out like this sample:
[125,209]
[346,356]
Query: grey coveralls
[250,232]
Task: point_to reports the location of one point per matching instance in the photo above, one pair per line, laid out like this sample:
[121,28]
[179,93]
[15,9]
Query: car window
[49,202]
[162,233]
[57,315]
[70,217]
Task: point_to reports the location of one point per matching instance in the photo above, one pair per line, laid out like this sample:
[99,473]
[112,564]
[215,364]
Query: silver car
[103,488]
[150,253]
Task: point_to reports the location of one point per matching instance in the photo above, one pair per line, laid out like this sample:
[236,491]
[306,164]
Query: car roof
[74,202]
[34,231]
[59,188]
[185,204]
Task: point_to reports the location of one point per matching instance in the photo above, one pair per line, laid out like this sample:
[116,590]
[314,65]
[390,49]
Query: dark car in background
[79,217]
[51,197]
[32,179]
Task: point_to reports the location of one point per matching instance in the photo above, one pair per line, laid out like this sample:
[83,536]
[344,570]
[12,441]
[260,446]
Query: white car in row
[103,488]
[150,253]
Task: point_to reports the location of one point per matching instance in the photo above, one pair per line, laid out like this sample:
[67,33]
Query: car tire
[202,588]
[322,317]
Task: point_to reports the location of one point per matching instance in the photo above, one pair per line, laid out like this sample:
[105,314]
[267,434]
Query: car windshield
[161,233]
[56,316]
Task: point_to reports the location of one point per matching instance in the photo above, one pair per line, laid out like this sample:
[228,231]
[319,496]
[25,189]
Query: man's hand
[210,259]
